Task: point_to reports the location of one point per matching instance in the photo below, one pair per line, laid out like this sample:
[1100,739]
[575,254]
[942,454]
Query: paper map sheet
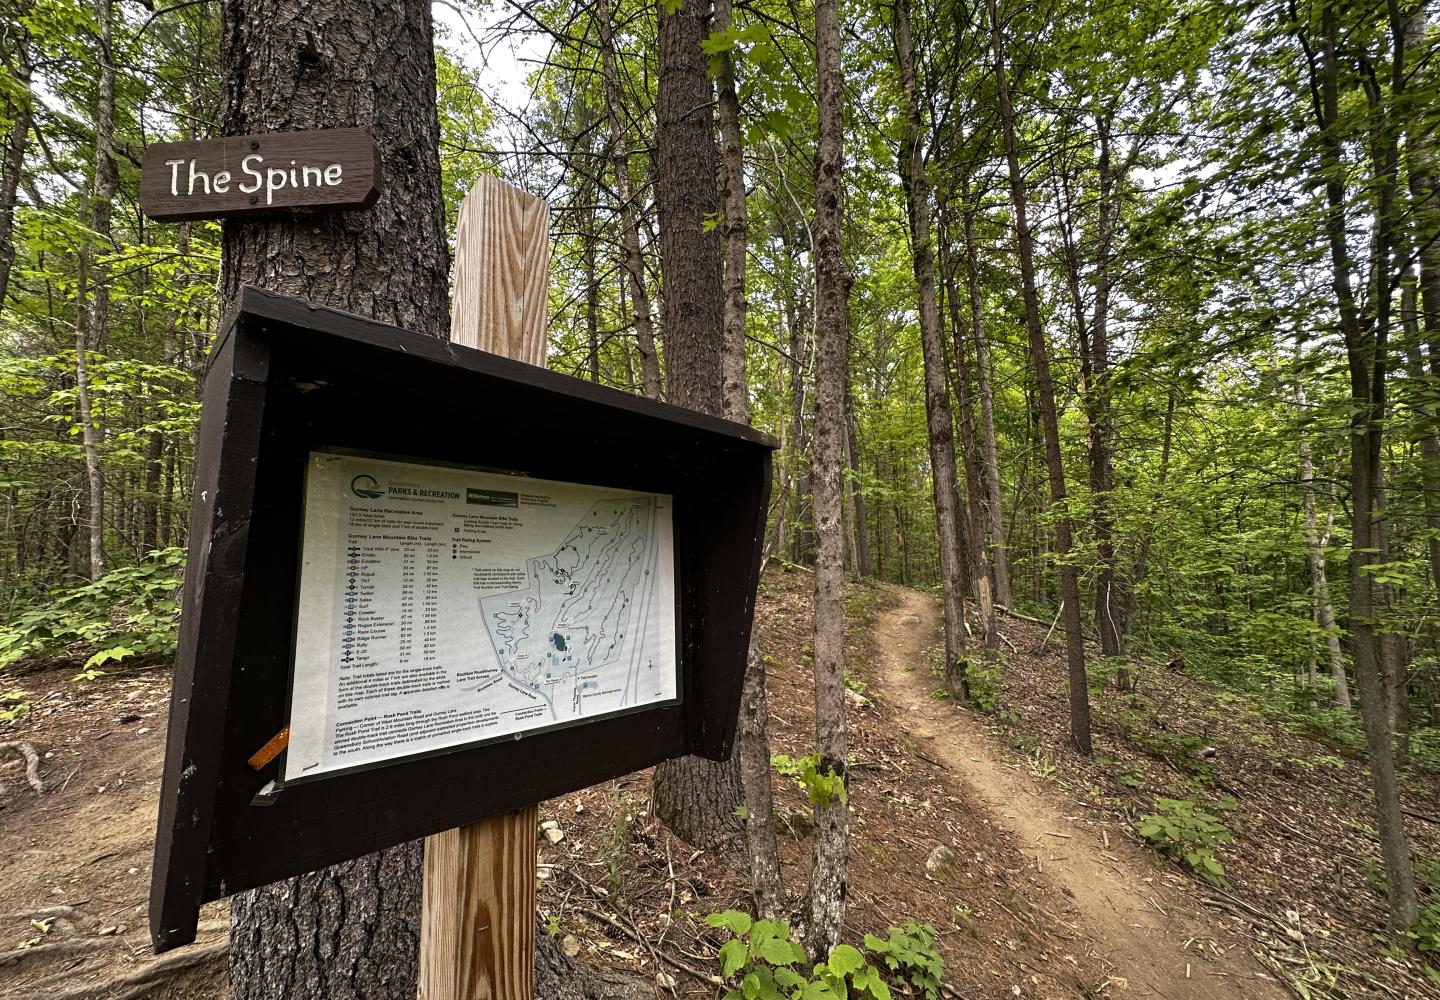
[439,607]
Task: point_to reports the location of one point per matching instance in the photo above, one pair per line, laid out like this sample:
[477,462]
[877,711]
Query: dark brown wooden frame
[286,377]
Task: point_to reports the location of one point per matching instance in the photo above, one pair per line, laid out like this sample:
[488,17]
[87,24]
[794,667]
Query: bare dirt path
[1110,893]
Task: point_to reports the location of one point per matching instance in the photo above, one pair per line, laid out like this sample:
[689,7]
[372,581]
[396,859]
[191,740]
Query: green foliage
[128,612]
[986,681]
[1181,830]
[913,956]
[768,965]
[821,788]
[14,704]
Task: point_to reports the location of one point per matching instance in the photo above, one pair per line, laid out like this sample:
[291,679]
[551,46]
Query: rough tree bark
[1045,393]
[17,141]
[349,932]
[829,878]
[939,423]
[695,798]
[629,225]
[737,223]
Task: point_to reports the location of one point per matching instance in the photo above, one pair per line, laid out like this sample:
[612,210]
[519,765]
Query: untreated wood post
[477,932]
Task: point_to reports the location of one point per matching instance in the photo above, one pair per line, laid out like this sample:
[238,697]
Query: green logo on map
[365,486]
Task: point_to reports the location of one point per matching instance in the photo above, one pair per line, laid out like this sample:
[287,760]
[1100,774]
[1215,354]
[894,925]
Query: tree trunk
[994,507]
[1108,606]
[92,330]
[980,563]
[829,879]
[939,423]
[733,384]
[349,932]
[857,496]
[634,262]
[1045,392]
[1320,587]
[695,798]
[12,165]
[1366,355]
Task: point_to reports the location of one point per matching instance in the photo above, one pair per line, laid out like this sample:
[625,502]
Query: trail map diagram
[574,636]
[443,606]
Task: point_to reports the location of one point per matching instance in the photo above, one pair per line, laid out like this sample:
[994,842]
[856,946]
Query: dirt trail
[1155,939]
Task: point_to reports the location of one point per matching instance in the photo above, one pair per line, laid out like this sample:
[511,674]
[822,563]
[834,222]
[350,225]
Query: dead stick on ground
[605,918]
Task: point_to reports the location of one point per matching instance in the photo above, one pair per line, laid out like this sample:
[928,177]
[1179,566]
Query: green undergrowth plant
[986,676]
[14,704]
[911,954]
[767,965]
[820,787]
[130,612]
[1181,830]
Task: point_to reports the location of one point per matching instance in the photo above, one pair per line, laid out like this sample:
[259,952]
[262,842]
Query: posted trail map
[440,607]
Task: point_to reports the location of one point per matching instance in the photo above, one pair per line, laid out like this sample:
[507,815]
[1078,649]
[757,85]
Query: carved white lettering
[274,181]
[333,173]
[221,182]
[174,166]
[246,168]
[199,175]
[307,170]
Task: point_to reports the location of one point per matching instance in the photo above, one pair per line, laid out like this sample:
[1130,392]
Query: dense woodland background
[1143,318]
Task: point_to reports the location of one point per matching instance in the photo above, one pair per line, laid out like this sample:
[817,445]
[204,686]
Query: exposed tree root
[148,976]
[32,765]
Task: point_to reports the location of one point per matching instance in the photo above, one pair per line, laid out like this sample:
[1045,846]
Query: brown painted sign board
[333,168]
[406,436]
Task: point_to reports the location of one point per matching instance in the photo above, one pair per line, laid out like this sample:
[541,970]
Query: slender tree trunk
[980,563]
[766,878]
[1320,587]
[92,331]
[994,507]
[737,225]
[939,423]
[1366,355]
[1108,606]
[349,932]
[857,496]
[829,878]
[12,164]
[634,262]
[1045,393]
[695,798]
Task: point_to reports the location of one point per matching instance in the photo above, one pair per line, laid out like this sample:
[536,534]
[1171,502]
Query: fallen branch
[32,764]
[705,977]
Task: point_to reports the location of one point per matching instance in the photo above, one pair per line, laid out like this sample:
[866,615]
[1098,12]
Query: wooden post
[477,929]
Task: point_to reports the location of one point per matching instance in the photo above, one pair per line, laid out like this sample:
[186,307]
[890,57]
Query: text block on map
[442,607]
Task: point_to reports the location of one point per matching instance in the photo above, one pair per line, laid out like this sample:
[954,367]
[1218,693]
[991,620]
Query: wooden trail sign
[385,535]
[239,175]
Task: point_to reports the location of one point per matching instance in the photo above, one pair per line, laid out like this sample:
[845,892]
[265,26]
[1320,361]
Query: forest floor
[1042,890]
